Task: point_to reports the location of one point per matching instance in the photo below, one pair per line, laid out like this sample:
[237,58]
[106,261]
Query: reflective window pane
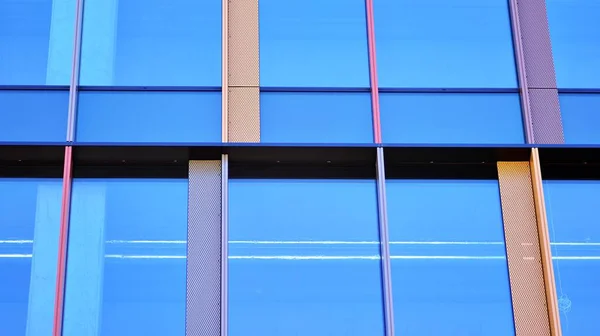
[454,118]
[313,43]
[581,118]
[149,117]
[441,43]
[450,230]
[316,117]
[572,209]
[32,116]
[29,228]
[151,42]
[36,41]
[126,268]
[575,32]
[304,258]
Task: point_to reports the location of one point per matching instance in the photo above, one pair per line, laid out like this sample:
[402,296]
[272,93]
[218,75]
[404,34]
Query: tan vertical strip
[523,249]
[224,70]
[546,254]
[243,112]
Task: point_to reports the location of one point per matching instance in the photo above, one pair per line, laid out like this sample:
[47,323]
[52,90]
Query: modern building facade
[299,167]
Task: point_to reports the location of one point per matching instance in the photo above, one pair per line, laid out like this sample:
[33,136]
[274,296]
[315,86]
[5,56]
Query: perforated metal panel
[244,114]
[537,48]
[546,117]
[203,299]
[243,43]
[523,250]
[535,64]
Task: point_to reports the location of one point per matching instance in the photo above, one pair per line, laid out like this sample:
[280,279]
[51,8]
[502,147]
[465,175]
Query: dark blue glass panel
[581,118]
[313,43]
[572,209]
[33,115]
[151,42]
[29,228]
[149,117]
[450,230]
[304,258]
[316,117]
[441,43]
[126,269]
[36,41]
[475,118]
[575,32]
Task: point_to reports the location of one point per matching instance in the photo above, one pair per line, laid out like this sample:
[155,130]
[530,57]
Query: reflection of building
[345,167]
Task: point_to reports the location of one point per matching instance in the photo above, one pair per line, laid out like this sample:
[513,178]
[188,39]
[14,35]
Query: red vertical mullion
[373,71]
[62,243]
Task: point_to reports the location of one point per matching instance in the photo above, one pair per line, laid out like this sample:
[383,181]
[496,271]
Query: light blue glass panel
[36,41]
[149,117]
[581,118]
[33,115]
[151,43]
[454,118]
[441,43]
[450,230]
[572,209]
[29,230]
[304,258]
[575,32]
[302,117]
[126,269]
[313,43]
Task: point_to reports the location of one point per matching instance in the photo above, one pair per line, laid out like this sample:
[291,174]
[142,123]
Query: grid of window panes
[305,256]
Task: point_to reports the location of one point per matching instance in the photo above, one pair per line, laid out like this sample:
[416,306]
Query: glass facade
[455,118]
[127,253]
[304,258]
[29,234]
[36,42]
[296,110]
[448,258]
[572,211]
[575,32]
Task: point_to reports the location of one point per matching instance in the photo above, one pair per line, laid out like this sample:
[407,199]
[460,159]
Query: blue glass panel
[575,32]
[33,115]
[304,258]
[581,118]
[475,118]
[149,117]
[316,117]
[36,41]
[451,230]
[29,229]
[572,209]
[151,42]
[126,269]
[313,43]
[441,43]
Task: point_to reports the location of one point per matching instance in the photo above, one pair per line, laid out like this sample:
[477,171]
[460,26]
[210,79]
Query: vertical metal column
[204,299]
[530,304]
[385,245]
[535,67]
[241,87]
[373,71]
[67,175]
[546,254]
[62,243]
[224,244]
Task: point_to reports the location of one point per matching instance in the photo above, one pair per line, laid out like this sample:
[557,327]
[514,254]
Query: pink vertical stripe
[373,72]
[62,243]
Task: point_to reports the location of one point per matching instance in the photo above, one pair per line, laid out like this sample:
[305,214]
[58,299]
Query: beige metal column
[528,249]
[241,92]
